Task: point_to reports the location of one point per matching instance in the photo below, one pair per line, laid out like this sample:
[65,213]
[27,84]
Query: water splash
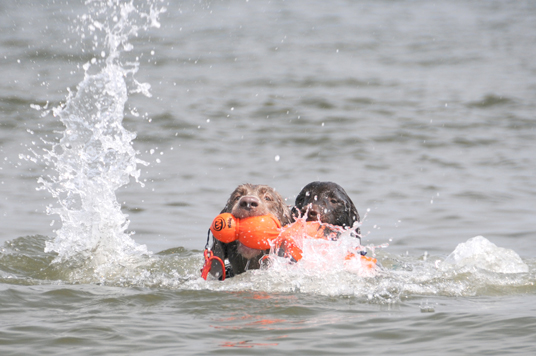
[94,156]
[399,278]
[22,261]
[479,253]
[342,252]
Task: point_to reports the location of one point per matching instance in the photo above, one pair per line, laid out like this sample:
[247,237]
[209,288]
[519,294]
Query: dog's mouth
[241,214]
[313,215]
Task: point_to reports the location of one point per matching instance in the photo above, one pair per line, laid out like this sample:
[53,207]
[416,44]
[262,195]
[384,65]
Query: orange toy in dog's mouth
[254,232]
[264,232]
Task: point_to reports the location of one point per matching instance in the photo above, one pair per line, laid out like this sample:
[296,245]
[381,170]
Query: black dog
[247,200]
[327,202]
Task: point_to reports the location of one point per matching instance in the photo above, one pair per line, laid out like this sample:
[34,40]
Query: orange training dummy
[263,232]
[254,232]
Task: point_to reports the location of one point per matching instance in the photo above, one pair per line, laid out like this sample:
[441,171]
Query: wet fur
[327,202]
[248,200]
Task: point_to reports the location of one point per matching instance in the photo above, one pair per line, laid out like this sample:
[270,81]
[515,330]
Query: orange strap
[209,257]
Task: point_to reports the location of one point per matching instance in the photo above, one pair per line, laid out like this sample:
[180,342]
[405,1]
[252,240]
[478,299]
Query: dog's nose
[313,214]
[249,202]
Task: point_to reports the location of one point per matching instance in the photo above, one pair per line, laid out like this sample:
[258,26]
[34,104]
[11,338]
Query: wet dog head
[249,200]
[327,202]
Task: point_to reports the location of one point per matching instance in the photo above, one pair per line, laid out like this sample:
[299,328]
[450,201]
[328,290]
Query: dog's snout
[314,212]
[249,202]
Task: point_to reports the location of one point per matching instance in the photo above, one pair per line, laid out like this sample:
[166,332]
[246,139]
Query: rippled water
[422,111]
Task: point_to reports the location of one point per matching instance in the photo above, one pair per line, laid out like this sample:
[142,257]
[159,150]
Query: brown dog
[327,202]
[247,200]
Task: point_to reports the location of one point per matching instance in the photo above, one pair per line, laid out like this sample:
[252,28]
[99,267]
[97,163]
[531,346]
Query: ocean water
[124,127]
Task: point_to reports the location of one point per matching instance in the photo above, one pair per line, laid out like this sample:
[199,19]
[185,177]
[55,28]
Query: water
[423,112]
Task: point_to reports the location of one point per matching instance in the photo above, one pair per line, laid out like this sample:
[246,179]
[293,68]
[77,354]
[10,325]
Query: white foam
[479,253]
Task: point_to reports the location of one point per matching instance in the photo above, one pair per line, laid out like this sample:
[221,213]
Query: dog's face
[249,200]
[327,202]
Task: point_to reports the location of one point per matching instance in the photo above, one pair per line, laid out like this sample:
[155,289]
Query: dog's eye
[236,198]
[334,201]
[268,198]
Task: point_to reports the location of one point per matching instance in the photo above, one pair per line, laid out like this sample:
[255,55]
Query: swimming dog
[326,202]
[247,200]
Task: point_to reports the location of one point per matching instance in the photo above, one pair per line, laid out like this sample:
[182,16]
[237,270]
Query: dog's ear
[300,199]
[299,203]
[351,214]
[294,213]
[228,207]
[283,211]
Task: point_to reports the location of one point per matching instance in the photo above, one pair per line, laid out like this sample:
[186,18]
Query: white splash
[479,253]
[94,157]
[340,254]
[476,267]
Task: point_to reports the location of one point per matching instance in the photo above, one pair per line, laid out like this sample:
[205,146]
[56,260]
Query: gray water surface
[423,111]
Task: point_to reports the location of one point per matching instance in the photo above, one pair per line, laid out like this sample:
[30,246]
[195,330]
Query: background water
[423,111]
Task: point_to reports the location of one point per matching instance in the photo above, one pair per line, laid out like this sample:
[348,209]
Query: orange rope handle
[209,256]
